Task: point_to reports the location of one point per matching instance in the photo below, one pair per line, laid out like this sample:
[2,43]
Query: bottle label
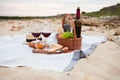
[78,28]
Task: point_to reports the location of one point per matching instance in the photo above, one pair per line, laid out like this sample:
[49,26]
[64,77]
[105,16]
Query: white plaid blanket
[13,53]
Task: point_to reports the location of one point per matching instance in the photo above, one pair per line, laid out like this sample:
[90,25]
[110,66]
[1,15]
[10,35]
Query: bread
[55,47]
[31,44]
[36,46]
[29,36]
[65,48]
[52,49]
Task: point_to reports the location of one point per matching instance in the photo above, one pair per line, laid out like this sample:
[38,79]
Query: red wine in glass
[46,35]
[36,34]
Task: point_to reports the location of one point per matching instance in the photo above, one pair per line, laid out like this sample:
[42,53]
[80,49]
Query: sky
[50,7]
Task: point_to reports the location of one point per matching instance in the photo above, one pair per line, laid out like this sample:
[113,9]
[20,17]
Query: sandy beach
[102,64]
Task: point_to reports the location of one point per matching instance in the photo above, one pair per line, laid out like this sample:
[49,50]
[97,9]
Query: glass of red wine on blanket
[36,35]
[46,34]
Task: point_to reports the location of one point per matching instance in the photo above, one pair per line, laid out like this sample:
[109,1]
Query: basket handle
[72,24]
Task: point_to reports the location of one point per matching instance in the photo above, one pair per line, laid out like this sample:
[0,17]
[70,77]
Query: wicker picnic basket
[72,43]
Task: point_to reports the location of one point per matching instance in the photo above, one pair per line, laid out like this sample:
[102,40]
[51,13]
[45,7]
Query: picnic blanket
[13,53]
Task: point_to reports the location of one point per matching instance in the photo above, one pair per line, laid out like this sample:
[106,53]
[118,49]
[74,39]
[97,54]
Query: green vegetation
[25,18]
[107,11]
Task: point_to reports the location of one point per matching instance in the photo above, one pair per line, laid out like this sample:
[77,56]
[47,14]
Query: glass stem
[36,39]
[46,44]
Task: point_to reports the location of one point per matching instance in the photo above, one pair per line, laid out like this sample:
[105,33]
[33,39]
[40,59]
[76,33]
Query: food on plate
[52,49]
[29,37]
[36,46]
[31,44]
[39,46]
[65,48]
[55,47]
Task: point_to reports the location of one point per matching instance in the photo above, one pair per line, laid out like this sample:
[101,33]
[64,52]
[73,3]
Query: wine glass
[46,34]
[36,35]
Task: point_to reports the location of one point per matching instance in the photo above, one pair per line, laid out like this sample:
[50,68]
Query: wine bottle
[78,23]
[67,26]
